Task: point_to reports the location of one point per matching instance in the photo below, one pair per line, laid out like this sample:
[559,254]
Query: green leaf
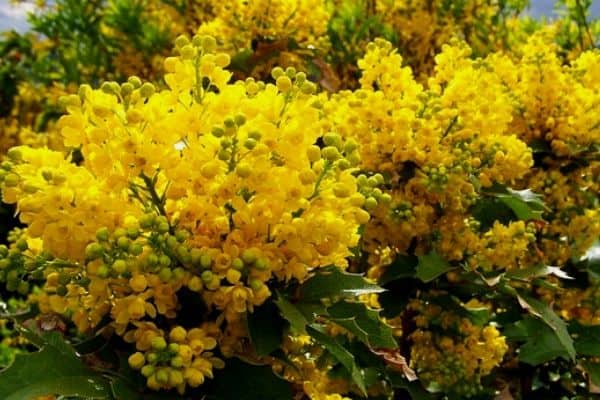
[537,271]
[239,380]
[55,369]
[404,266]
[593,370]
[122,389]
[333,282]
[292,314]
[587,339]
[541,343]
[364,323]
[488,210]
[265,327]
[525,204]
[339,353]
[431,266]
[546,314]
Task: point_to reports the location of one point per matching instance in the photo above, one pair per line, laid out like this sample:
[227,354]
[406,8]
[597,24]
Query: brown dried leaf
[397,361]
[329,79]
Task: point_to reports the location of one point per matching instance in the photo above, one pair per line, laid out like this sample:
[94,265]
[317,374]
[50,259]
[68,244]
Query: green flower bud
[181,41]
[61,291]
[217,131]
[205,261]
[11,180]
[223,155]
[261,264]
[256,284]
[93,251]
[308,88]
[147,89]
[147,370]
[136,249]
[206,276]
[209,44]
[158,343]
[123,243]
[102,234]
[126,88]
[162,376]
[240,119]
[332,139]
[187,52]
[176,362]
[151,357]
[165,274]
[250,143]
[256,135]
[135,81]
[14,154]
[163,227]
[164,260]
[331,153]
[249,256]
[370,203]
[119,266]
[23,288]
[237,263]
[22,245]
[290,72]
[277,72]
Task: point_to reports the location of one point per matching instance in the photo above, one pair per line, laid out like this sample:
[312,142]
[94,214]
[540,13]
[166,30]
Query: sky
[15,17]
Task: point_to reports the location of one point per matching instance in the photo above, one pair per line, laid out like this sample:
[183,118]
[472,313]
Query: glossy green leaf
[240,380]
[541,343]
[265,327]
[587,339]
[55,369]
[292,314]
[431,266]
[404,266]
[364,323]
[593,370]
[333,282]
[546,314]
[338,351]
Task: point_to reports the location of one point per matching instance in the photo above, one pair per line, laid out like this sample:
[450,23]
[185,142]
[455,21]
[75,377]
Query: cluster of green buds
[19,266]
[130,92]
[436,178]
[7,177]
[292,81]
[183,359]
[403,210]
[201,52]
[370,188]
[234,145]
[145,245]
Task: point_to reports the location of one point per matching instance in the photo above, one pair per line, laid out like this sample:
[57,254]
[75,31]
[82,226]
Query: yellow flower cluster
[180,360]
[450,353]
[424,27]
[237,23]
[439,145]
[206,185]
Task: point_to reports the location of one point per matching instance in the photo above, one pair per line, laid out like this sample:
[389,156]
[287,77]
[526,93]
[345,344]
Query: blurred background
[15,16]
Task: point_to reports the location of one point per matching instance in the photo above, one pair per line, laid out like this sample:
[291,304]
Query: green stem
[326,168]
[157,201]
